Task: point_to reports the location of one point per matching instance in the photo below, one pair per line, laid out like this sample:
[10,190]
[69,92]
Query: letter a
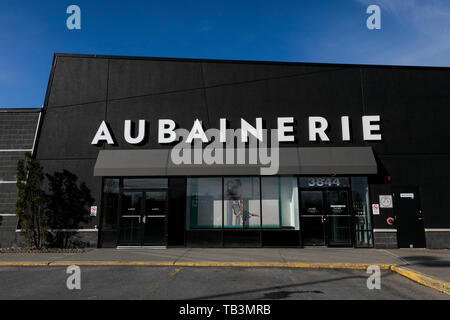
[73,21]
[374,21]
[74,280]
[103,135]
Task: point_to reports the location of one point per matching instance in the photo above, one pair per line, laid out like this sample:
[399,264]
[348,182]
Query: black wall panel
[280,238]
[67,132]
[240,238]
[129,78]
[204,238]
[232,73]
[414,108]
[78,80]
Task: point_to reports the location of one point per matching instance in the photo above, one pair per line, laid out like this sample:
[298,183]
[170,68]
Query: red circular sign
[390,221]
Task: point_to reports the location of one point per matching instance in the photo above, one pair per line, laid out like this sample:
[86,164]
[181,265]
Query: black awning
[292,161]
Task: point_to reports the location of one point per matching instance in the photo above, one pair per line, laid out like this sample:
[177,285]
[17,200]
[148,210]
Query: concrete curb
[65,263]
[411,274]
[422,278]
[24,263]
[360,266]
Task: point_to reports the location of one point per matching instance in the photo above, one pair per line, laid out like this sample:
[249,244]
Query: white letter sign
[314,130]
[166,127]
[368,127]
[127,132]
[103,135]
[285,126]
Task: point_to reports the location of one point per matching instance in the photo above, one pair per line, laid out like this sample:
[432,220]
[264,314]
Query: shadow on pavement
[276,295]
[427,261]
[282,294]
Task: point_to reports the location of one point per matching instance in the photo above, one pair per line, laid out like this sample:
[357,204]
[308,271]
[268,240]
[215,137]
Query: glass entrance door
[154,219]
[312,218]
[338,218]
[326,217]
[143,218]
[130,219]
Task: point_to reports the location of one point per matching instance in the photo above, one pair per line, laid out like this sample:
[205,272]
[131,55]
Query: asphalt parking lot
[147,283]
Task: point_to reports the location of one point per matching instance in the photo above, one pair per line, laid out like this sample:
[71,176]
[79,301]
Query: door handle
[144,219]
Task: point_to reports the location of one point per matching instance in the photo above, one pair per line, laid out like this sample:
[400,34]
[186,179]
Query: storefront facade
[346,156]
[333,213]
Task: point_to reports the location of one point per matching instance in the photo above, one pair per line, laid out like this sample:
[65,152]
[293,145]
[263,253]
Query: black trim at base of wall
[243,238]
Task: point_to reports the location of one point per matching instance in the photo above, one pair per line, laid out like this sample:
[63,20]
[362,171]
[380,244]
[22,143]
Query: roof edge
[19,110]
[118,57]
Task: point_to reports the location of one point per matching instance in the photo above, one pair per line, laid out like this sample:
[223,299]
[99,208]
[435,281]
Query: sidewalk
[435,263]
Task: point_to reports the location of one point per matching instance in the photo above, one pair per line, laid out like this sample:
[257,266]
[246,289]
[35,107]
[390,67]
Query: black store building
[359,155]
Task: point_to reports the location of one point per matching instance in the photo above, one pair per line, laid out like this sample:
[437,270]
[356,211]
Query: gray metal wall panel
[131,163]
[157,162]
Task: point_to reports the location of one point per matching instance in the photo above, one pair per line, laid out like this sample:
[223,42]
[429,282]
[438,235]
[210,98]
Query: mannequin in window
[241,215]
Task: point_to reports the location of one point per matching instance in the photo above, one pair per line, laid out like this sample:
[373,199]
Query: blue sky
[413,32]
